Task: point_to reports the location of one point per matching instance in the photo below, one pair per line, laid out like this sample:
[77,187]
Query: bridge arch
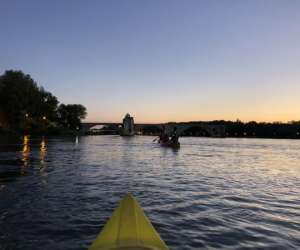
[195,130]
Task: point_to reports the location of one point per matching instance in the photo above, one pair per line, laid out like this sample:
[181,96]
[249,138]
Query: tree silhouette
[24,106]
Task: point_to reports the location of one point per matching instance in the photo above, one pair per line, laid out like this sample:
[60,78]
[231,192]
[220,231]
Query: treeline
[28,108]
[260,129]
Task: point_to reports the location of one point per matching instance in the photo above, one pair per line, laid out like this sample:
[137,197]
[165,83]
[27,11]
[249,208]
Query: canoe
[128,229]
[170,144]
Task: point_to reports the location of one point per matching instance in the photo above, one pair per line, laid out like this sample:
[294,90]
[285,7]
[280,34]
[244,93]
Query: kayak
[128,229]
[170,144]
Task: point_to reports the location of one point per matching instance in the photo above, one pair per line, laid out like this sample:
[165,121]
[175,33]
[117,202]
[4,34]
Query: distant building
[128,126]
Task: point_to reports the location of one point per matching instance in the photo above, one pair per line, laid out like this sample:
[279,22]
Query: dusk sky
[160,60]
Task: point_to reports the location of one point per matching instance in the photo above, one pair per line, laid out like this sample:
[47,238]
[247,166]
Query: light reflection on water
[56,193]
[25,153]
[43,163]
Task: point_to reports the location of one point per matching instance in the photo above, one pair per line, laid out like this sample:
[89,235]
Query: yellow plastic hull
[128,229]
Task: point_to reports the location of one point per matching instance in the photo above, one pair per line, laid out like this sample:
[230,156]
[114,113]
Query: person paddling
[163,137]
[174,137]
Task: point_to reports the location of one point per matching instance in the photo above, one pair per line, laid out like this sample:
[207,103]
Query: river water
[57,193]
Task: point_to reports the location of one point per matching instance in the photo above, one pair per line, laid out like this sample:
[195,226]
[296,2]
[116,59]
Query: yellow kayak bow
[128,229]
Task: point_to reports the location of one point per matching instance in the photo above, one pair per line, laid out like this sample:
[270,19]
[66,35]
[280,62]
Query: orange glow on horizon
[204,119]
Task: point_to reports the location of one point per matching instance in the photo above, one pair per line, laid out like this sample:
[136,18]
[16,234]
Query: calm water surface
[57,193]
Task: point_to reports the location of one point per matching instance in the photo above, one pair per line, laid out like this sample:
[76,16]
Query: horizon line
[213,120]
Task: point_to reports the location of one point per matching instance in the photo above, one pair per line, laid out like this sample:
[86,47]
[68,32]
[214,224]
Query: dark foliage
[70,115]
[26,107]
[261,129]
[151,130]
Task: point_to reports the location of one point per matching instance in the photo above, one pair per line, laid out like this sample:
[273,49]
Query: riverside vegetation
[28,108]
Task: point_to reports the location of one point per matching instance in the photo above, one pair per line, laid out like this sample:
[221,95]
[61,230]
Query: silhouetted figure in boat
[163,137]
[174,137]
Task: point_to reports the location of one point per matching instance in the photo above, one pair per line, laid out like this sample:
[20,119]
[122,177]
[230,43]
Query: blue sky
[160,60]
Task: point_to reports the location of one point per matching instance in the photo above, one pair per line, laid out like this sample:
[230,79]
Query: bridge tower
[128,126]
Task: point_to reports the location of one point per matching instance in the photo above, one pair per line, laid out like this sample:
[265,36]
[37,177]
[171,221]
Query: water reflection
[43,153]
[25,153]
[212,193]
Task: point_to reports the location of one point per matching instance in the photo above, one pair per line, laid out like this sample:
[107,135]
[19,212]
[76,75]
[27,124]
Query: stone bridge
[86,126]
[212,130]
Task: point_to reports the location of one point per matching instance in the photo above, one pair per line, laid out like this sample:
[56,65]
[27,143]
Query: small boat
[170,144]
[128,229]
